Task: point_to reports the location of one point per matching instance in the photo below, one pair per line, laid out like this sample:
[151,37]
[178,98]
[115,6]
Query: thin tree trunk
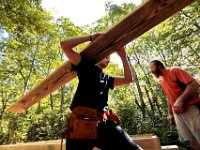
[51,101]
[31,68]
[149,99]
[143,106]
[62,99]
[149,85]
[38,111]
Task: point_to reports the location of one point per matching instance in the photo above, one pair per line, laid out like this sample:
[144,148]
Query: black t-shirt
[93,86]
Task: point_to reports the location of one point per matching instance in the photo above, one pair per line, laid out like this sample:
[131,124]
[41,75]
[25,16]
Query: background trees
[29,51]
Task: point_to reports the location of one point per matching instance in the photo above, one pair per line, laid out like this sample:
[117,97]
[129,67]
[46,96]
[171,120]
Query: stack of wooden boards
[147,142]
[148,15]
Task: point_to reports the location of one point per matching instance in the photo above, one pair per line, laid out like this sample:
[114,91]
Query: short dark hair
[158,63]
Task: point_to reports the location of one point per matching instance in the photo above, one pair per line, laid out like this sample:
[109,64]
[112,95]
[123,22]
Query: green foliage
[29,51]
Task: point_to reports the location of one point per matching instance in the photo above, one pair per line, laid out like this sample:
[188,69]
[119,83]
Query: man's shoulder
[173,72]
[175,68]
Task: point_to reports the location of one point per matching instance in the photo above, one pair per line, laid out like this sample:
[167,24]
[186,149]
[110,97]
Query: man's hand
[95,36]
[178,105]
[170,119]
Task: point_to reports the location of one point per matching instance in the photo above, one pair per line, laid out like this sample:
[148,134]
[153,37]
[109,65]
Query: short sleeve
[111,82]
[183,75]
[84,64]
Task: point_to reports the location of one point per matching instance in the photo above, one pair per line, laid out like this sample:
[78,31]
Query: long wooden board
[169,147]
[141,20]
[147,142]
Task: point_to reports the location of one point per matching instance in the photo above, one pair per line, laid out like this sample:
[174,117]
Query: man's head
[156,67]
[104,63]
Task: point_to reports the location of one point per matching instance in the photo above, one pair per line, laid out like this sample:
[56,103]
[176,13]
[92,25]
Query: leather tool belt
[82,122]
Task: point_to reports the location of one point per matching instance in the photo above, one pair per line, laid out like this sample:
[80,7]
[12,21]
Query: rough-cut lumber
[141,20]
[147,142]
[169,147]
[50,145]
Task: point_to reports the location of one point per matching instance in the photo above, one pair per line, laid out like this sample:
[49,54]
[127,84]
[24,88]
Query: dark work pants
[110,136]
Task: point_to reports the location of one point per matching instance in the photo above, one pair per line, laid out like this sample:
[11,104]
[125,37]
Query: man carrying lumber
[90,123]
[183,101]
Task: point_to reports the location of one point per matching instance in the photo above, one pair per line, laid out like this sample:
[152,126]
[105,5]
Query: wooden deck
[147,142]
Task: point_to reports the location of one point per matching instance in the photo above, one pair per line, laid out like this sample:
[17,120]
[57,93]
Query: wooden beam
[147,142]
[141,20]
[169,147]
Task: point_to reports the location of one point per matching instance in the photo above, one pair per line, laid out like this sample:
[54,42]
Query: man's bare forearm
[190,91]
[70,43]
[127,68]
[170,113]
[67,46]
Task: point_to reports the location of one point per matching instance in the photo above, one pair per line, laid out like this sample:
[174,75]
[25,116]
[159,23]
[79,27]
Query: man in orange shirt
[181,90]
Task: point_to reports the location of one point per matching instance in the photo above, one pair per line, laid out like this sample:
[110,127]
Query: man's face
[157,71]
[104,63]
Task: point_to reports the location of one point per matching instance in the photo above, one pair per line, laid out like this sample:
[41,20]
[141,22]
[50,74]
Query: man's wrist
[180,100]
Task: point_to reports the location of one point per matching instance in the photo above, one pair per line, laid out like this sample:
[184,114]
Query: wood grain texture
[138,22]
[169,147]
[147,142]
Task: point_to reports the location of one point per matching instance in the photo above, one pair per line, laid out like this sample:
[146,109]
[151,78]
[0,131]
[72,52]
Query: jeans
[110,136]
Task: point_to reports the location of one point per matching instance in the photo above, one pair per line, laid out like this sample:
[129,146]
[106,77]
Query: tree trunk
[143,106]
[149,85]
[62,99]
[51,101]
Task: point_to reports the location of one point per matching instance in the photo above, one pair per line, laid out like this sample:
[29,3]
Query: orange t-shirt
[172,89]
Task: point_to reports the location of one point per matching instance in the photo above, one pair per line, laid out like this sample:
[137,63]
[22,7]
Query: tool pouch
[82,123]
